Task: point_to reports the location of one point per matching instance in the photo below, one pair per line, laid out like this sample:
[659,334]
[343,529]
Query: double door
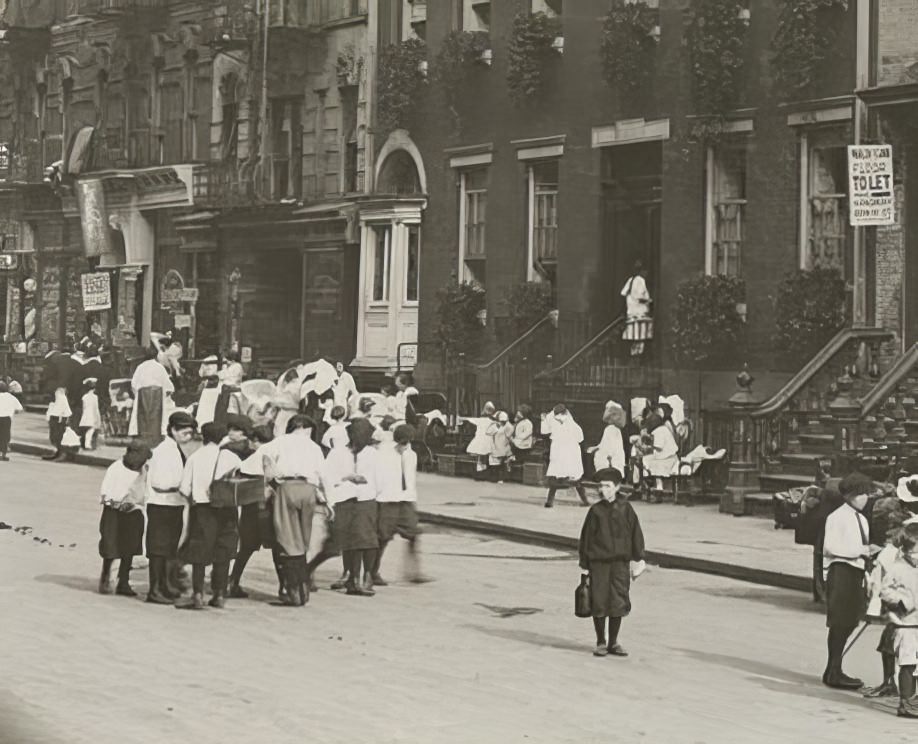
[389,290]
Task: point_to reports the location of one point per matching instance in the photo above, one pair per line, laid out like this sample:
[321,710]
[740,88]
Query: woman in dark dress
[612,551]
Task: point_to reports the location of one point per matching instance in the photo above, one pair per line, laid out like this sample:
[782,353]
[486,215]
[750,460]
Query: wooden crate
[534,474]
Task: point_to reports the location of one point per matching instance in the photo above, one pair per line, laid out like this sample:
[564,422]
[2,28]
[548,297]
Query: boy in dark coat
[612,551]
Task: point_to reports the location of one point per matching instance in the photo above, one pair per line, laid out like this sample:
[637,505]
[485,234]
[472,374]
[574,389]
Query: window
[203,108]
[543,217]
[473,208]
[349,139]
[476,15]
[726,209]
[551,8]
[173,118]
[824,223]
[413,264]
[417,19]
[229,126]
[382,256]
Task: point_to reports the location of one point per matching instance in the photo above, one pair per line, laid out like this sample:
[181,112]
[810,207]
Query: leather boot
[195,602]
[105,579]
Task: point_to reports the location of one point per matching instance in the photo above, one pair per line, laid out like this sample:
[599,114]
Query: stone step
[803,463]
[817,443]
[776,482]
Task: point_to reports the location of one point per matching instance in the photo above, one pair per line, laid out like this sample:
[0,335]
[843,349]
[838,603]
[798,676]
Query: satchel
[583,604]
[222,493]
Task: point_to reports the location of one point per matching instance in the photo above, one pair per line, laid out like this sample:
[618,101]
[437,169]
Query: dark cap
[182,420]
[855,484]
[240,422]
[608,474]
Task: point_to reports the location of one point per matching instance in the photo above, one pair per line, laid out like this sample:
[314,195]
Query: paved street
[489,652]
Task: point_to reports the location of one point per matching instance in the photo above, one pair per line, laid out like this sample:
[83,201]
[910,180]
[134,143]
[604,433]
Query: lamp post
[234,278]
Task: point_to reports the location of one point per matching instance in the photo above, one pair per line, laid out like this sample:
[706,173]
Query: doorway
[631,214]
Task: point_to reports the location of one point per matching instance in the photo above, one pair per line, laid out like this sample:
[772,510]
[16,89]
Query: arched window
[399,175]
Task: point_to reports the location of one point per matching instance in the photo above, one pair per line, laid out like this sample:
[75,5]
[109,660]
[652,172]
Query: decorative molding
[821,116]
[539,148]
[469,161]
[630,131]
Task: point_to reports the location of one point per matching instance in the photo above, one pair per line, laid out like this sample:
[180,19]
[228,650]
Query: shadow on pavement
[784,599]
[534,639]
[80,583]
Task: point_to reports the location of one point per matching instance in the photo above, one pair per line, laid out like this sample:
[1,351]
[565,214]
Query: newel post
[743,476]
[846,414]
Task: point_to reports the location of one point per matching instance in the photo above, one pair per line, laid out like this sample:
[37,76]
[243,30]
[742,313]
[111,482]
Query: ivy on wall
[529,53]
[716,39]
[628,46]
[806,32]
[459,330]
[707,328]
[810,308]
[401,79]
[458,57]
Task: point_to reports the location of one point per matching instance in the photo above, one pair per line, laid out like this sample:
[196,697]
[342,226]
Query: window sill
[354,20]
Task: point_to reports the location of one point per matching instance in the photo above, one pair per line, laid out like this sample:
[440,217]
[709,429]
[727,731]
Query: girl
[9,407]
[521,441]
[565,463]
[121,524]
[501,453]
[91,418]
[610,452]
[351,486]
[483,442]
[899,591]
[151,384]
[612,552]
[209,533]
[663,461]
[336,435]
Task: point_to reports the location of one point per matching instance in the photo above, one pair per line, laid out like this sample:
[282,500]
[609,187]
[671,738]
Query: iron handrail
[889,381]
[613,326]
[515,343]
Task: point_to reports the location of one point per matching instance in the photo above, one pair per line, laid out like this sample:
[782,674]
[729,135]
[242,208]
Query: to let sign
[97,291]
[870,178]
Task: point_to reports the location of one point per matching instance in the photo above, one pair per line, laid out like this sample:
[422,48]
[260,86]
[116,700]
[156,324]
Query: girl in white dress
[565,460]
[483,441]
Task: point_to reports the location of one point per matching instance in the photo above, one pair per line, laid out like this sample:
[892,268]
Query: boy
[209,531]
[121,524]
[899,591]
[9,407]
[612,551]
[846,549]
[165,505]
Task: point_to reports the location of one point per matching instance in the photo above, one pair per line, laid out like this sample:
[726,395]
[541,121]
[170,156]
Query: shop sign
[9,262]
[97,291]
[245,355]
[182,321]
[870,178]
[93,218]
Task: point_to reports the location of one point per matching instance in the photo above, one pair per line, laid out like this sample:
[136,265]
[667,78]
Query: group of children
[498,442]
[188,490]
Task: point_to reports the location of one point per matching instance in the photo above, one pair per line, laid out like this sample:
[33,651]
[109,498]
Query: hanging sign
[97,291]
[870,178]
[182,321]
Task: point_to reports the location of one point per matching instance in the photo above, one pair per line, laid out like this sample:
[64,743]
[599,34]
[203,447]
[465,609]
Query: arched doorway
[390,255]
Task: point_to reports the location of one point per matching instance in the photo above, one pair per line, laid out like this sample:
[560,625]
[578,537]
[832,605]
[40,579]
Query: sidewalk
[696,538]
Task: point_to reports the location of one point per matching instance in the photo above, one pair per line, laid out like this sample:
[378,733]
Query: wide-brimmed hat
[907,489]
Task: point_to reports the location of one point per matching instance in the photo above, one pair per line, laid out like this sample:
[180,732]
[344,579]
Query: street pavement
[488,652]
[696,537]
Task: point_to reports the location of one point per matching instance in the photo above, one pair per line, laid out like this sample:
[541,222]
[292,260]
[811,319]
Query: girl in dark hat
[351,487]
[612,552]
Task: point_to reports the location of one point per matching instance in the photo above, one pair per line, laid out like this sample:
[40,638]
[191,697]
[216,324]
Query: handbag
[583,604]
[222,493]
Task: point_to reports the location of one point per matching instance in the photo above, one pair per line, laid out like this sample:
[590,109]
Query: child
[500,455]
[565,461]
[612,551]
[336,435]
[900,592]
[165,505]
[209,533]
[121,524]
[91,418]
[483,441]
[521,441]
[9,407]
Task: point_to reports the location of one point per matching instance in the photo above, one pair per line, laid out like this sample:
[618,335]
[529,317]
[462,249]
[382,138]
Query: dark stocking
[218,576]
[197,578]
[836,645]
[906,682]
[124,570]
[318,559]
[615,625]
[550,501]
[370,560]
[157,569]
[889,667]
[377,563]
[599,625]
[239,565]
[581,492]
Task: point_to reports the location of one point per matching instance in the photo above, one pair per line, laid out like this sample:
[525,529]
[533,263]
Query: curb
[534,537]
[656,558]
